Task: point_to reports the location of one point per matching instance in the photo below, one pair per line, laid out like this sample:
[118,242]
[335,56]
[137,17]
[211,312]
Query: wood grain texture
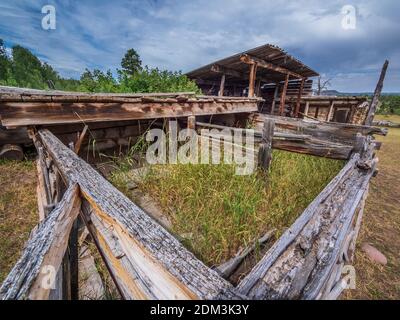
[44,250]
[43,113]
[146,246]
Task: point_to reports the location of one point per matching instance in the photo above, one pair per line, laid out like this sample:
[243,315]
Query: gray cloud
[186,34]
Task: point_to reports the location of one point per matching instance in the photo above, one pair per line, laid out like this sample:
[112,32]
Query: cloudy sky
[185,34]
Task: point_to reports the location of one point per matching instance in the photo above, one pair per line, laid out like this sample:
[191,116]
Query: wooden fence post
[265,148]
[191,122]
[375,99]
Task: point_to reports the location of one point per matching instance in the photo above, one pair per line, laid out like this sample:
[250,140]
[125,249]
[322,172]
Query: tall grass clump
[217,212]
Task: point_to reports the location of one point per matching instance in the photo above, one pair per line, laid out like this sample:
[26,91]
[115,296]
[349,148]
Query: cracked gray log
[11,152]
[339,132]
[265,147]
[292,141]
[148,260]
[31,277]
[375,99]
[300,262]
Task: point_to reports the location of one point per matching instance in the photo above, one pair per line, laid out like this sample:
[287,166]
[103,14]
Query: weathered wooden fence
[147,262]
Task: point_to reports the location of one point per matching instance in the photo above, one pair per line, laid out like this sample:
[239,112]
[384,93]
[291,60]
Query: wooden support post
[252,79]
[222,85]
[316,112]
[377,94]
[258,87]
[283,96]
[80,139]
[276,92]
[297,110]
[191,123]
[330,112]
[307,107]
[265,149]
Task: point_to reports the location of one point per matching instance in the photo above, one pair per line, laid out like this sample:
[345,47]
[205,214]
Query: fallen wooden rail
[303,263]
[344,133]
[294,142]
[34,275]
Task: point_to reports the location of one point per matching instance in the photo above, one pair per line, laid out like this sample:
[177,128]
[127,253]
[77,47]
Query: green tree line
[23,69]
[389,104]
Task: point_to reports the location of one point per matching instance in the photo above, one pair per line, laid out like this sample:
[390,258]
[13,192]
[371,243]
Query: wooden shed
[284,82]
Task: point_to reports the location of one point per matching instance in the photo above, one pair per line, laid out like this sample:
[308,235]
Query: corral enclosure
[273,234]
[144,259]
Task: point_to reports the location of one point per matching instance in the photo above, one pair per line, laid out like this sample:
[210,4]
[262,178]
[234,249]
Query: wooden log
[330,112]
[37,113]
[301,261]
[252,78]
[17,136]
[148,261]
[34,274]
[191,124]
[307,108]
[254,278]
[265,147]
[276,92]
[78,143]
[11,152]
[298,102]
[267,65]
[375,99]
[339,132]
[296,142]
[283,96]
[222,85]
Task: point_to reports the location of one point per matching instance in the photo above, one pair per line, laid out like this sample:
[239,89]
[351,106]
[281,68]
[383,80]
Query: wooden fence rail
[147,262]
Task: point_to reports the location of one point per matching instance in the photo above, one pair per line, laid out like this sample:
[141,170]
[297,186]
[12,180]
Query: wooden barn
[284,82]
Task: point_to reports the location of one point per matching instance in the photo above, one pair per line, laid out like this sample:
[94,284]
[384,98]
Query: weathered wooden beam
[298,102]
[34,274]
[298,265]
[330,112]
[228,71]
[265,147]
[191,123]
[283,96]
[146,259]
[338,132]
[267,65]
[296,142]
[252,78]
[276,92]
[222,85]
[44,113]
[375,99]
[306,108]
[78,143]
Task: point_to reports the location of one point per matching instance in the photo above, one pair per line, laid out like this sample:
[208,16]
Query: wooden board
[146,259]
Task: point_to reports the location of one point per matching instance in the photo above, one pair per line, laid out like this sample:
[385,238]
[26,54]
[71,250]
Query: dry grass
[381,227]
[18,210]
[218,212]
[393,117]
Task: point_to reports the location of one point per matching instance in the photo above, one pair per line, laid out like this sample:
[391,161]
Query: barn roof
[237,70]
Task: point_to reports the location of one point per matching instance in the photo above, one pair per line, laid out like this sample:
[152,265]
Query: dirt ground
[381,225]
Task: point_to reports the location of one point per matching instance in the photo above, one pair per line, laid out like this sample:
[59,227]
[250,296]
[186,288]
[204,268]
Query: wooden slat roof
[268,52]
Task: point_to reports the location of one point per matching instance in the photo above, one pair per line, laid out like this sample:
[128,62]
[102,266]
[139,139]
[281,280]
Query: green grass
[218,212]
